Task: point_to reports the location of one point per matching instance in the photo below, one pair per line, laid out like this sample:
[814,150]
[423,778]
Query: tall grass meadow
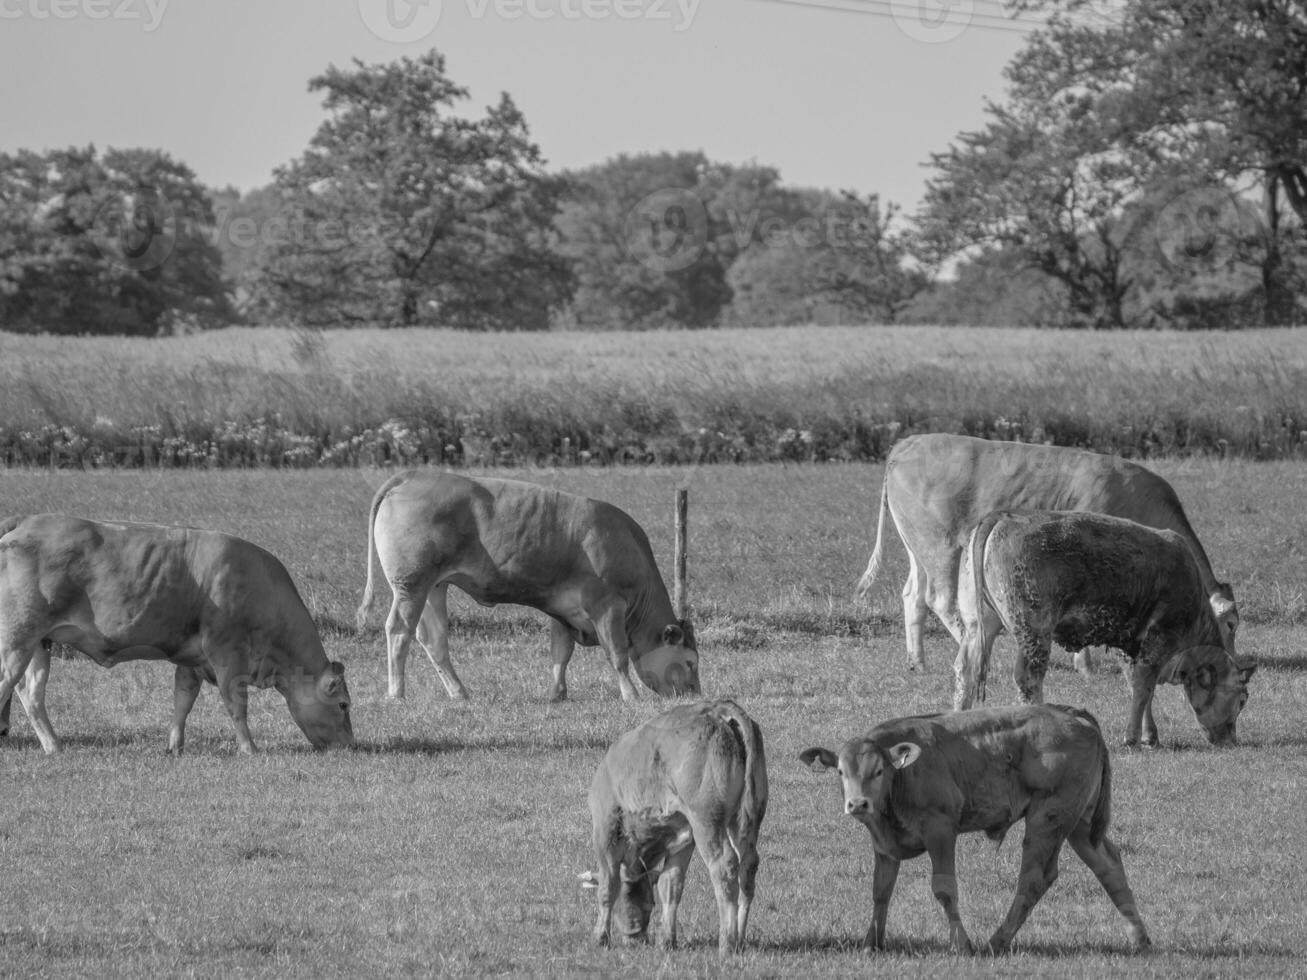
[286,398]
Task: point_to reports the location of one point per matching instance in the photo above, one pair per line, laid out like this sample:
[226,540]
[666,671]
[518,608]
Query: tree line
[1142,170]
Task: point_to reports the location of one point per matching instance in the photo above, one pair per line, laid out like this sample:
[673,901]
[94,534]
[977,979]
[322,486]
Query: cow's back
[684,755]
[1095,579]
[157,585]
[947,483]
[985,765]
[508,540]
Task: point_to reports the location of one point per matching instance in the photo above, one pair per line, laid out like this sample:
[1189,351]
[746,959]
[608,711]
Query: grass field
[259,397]
[450,841]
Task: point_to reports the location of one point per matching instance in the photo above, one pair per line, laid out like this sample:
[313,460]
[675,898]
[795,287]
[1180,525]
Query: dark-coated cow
[938,487]
[1091,580]
[219,608]
[584,562]
[694,776]
[917,783]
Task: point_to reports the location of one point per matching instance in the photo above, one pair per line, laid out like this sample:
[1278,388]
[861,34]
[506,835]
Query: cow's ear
[1246,666]
[904,754]
[819,760]
[673,635]
[687,630]
[1175,671]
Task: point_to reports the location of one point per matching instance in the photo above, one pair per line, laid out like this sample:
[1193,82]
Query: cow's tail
[979,537]
[753,801]
[873,565]
[7,524]
[1103,807]
[361,616]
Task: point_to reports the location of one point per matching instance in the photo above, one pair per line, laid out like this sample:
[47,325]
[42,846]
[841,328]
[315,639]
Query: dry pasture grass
[448,843]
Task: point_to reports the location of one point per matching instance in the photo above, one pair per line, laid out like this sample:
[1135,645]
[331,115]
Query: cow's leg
[914,613]
[1084,662]
[747,849]
[31,691]
[884,875]
[670,885]
[1105,862]
[561,645]
[1039,852]
[433,629]
[724,872]
[4,716]
[233,685]
[185,689]
[942,594]
[610,628]
[940,844]
[1143,682]
[406,610]
[1031,664]
[609,847]
[15,654]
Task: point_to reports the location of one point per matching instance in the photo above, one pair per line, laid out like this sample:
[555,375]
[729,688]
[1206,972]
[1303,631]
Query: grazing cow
[582,561]
[1088,579]
[219,608]
[916,783]
[938,487]
[694,776]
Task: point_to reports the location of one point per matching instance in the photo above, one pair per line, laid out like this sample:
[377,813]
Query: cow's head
[1216,685]
[671,667]
[637,900]
[319,703]
[866,773]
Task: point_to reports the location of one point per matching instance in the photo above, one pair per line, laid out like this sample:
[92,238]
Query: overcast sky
[835,98]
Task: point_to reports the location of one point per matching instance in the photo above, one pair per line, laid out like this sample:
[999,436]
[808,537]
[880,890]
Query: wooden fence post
[679,600]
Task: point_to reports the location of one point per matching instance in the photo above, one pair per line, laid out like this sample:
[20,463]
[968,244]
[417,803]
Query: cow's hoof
[1149,743]
[558,694]
[1140,943]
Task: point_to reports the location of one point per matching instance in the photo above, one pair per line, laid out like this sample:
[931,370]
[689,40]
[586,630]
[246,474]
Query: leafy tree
[118,243]
[401,212]
[830,259]
[1207,91]
[1039,181]
[995,288]
[653,236]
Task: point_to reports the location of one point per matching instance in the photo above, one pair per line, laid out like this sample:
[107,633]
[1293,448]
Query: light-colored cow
[1089,579]
[916,783]
[584,562]
[219,608]
[938,487]
[694,776]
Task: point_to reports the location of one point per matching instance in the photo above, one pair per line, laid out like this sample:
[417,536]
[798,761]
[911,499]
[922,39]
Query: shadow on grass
[92,740]
[815,943]
[1293,663]
[487,742]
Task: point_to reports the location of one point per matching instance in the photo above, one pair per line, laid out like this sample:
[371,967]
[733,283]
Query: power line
[902,11]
